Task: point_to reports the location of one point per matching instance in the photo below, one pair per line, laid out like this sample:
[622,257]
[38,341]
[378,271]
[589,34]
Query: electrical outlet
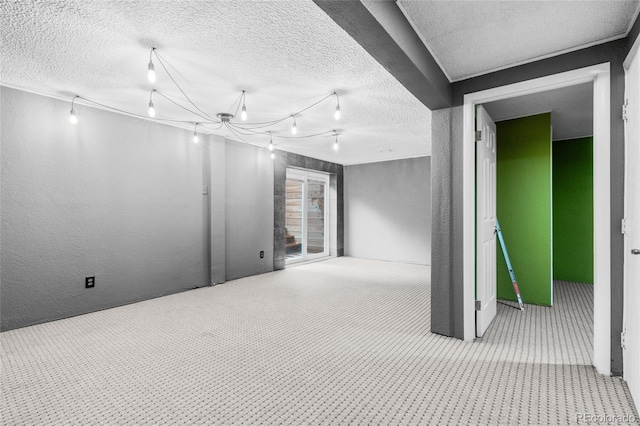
[262,254]
[89,282]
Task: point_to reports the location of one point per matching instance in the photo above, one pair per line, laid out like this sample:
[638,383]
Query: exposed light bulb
[273,156]
[151,73]
[270,146]
[337,113]
[151,70]
[335,145]
[73,118]
[243,114]
[152,110]
[196,139]
[294,128]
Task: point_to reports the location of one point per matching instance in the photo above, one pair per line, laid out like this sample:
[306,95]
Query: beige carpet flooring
[345,341]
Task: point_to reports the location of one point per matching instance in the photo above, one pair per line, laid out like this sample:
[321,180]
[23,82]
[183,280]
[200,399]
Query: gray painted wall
[123,199]
[115,197]
[447,156]
[217,207]
[249,210]
[387,211]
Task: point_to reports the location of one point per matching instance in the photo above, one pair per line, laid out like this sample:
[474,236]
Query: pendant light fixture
[152,110]
[241,129]
[335,143]
[195,134]
[73,118]
[243,114]
[151,70]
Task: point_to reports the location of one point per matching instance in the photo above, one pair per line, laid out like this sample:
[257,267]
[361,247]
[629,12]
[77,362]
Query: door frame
[307,174]
[599,75]
[634,385]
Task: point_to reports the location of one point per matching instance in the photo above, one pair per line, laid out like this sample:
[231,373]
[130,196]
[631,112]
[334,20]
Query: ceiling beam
[383,31]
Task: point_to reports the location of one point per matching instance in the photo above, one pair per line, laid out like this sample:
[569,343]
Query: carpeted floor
[345,341]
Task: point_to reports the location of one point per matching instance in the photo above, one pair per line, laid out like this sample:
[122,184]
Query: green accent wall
[573,210]
[524,207]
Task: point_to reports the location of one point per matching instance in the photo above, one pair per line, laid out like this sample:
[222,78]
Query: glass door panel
[315,217]
[307,219]
[294,223]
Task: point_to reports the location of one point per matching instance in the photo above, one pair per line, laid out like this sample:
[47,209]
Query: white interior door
[631,351]
[486,286]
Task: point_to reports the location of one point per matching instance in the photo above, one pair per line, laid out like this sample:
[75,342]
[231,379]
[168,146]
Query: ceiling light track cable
[204,119]
[161,60]
[132,114]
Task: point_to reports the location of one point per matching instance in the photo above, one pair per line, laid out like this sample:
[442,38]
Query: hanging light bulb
[337,113]
[196,139]
[73,118]
[294,128]
[273,155]
[335,143]
[151,71]
[270,142]
[152,110]
[243,114]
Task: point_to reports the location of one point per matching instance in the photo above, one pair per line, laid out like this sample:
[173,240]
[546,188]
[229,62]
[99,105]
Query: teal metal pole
[509,267]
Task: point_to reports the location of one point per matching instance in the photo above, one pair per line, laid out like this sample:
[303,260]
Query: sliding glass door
[307,214]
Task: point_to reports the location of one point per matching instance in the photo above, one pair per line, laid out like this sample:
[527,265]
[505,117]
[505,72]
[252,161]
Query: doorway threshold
[308,261]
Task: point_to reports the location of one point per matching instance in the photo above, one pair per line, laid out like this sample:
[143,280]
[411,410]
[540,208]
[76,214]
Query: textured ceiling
[571,109]
[285,54]
[470,38]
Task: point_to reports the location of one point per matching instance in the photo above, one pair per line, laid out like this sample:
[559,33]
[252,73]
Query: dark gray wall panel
[633,34]
[442,303]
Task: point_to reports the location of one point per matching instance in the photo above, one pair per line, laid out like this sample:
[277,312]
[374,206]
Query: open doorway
[542,164]
[545,189]
[598,76]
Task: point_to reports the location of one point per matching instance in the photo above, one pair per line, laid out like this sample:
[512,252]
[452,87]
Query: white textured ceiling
[285,54]
[571,109]
[469,38]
